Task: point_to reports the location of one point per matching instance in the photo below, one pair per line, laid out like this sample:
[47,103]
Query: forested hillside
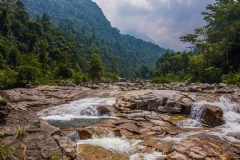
[35,51]
[216,49]
[84,21]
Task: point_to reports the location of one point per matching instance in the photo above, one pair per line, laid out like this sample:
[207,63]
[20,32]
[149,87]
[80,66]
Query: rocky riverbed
[136,121]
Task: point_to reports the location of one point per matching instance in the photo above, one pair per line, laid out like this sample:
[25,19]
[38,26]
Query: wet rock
[84,133]
[154,100]
[89,152]
[212,115]
[73,136]
[132,127]
[105,110]
[51,130]
[172,106]
[235,135]
[233,151]
[69,147]
[177,156]
[40,145]
[164,147]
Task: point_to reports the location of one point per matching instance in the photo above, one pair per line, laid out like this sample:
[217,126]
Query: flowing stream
[123,146]
[231,116]
[78,113]
[84,113]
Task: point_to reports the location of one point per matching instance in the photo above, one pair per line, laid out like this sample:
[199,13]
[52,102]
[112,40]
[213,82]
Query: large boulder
[84,133]
[105,110]
[212,115]
[164,101]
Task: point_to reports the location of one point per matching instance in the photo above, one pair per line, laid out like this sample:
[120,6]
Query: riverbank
[153,120]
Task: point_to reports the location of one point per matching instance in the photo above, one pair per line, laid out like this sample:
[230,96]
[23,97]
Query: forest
[42,48]
[85,22]
[214,54]
[36,51]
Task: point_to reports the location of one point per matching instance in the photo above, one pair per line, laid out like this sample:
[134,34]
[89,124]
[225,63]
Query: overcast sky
[162,21]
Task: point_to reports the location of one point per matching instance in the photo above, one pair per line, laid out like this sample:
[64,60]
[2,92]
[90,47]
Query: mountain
[86,23]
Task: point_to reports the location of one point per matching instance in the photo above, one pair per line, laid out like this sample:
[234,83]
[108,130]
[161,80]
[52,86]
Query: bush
[7,152]
[79,78]
[3,102]
[64,72]
[231,78]
[170,77]
[27,74]
[161,79]
[8,78]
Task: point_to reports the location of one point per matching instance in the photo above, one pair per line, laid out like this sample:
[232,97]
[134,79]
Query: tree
[27,74]
[144,72]
[13,58]
[95,67]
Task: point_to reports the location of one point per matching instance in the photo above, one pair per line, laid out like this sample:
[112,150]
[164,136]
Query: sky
[159,21]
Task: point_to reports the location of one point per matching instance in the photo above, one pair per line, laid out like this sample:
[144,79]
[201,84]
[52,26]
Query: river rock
[212,115]
[105,109]
[89,152]
[153,100]
[84,133]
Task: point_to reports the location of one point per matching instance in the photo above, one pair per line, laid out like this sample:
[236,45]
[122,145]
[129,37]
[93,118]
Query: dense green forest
[35,51]
[85,22]
[215,50]
[75,42]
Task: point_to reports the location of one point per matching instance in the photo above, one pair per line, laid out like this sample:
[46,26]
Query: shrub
[7,152]
[3,102]
[27,74]
[8,78]
[231,78]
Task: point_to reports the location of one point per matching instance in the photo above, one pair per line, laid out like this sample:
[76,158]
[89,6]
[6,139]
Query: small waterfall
[129,147]
[196,110]
[112,143]
[194,117]
[231,115]
[80,109]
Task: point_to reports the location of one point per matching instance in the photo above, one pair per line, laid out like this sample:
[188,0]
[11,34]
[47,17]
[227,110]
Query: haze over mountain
[88,25]
[164,21]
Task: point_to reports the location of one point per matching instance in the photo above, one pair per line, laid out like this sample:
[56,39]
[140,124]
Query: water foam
[145,156]
[80,109]
[112,143]
[121,145]
[231,116]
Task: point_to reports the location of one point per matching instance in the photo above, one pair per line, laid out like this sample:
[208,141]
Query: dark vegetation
[75,42]
[65,40]
[84,22]
[215,55]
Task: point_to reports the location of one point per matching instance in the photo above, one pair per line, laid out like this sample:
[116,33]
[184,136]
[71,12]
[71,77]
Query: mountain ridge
[85,20]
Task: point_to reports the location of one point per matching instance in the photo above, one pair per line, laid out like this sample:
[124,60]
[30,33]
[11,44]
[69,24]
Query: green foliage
[79,78]
[3,102]
[143,72]
[113,77]
[231,78]
[27,74]
[167,78]
[217,45]
[84,22]
[95,67]
[7,152]
[64,72]
[8,78]
[20,133]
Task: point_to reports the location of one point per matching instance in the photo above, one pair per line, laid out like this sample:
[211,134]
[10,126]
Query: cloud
[163,21]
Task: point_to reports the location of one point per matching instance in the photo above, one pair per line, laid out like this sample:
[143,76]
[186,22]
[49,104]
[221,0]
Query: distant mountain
[86,23]
[139,35]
